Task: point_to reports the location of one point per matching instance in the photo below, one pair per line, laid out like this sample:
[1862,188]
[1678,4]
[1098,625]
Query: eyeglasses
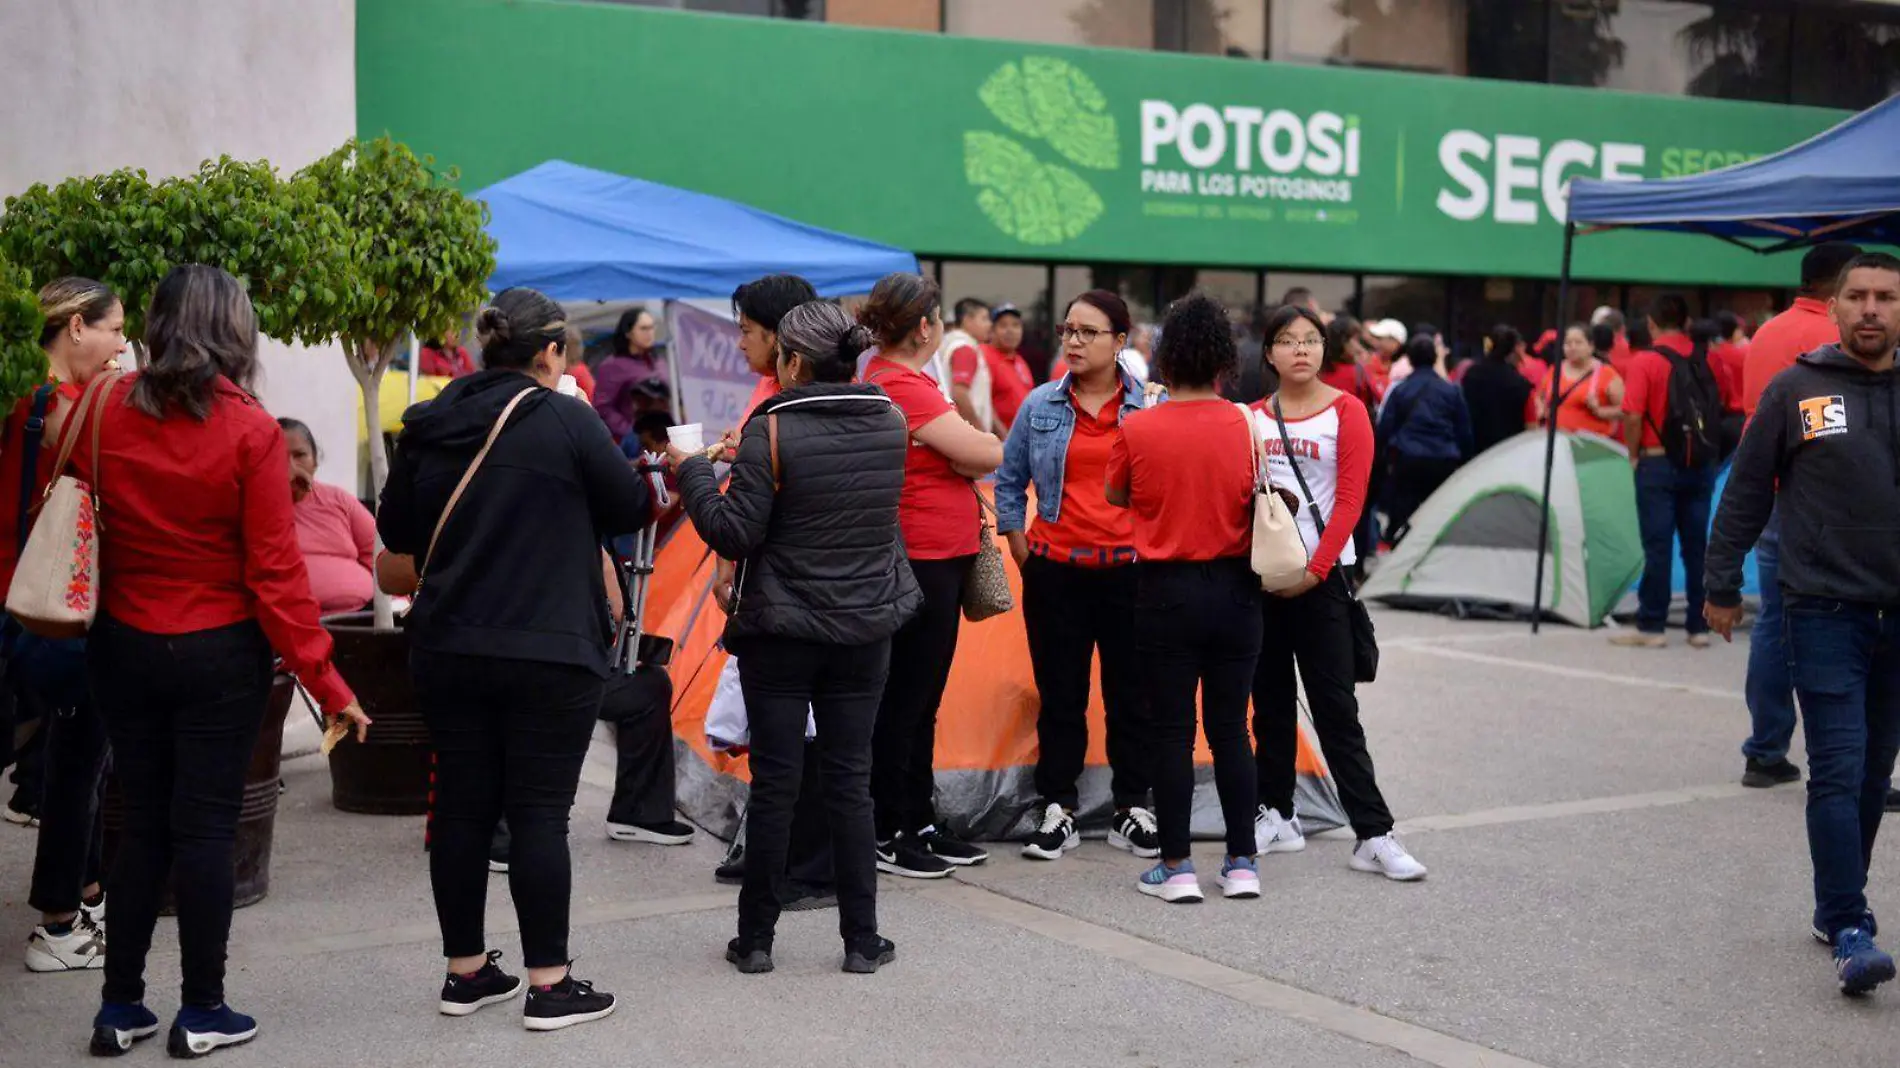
[1299,344]
[1084,334]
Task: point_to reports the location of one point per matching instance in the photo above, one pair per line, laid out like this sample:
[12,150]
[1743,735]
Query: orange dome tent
[986,729]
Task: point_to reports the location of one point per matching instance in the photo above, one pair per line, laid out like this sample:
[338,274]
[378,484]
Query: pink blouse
[338,538]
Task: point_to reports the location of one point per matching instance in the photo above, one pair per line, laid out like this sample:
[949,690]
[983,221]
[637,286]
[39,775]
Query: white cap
[1604,311]
[1390,329]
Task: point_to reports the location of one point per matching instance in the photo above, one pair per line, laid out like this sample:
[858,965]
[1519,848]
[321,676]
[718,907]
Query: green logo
[1047,100]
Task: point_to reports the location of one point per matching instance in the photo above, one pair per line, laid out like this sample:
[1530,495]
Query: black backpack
[1692,429]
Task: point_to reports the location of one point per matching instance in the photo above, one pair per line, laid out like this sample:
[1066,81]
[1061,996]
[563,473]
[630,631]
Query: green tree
[22,361]
[419,259]
[104,227]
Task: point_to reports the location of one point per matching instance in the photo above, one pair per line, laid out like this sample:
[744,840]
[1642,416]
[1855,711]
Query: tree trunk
[368,361]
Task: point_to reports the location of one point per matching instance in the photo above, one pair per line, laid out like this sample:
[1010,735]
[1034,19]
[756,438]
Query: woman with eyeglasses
[1185,471]
[938,518]
[1078,585]
[1318,441]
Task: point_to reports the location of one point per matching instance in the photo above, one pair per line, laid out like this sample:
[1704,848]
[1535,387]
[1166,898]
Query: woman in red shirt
[1589,391]
[1078,585]
[1318,442]
[1186,470]
[200,578]
[938,516]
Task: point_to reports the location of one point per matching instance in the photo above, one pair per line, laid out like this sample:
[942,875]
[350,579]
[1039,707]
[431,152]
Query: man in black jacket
[1824,452]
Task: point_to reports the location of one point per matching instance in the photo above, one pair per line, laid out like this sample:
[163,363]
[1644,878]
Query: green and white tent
[1472,547]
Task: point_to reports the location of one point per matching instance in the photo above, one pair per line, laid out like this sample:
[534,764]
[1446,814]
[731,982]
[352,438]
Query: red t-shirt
[1646,385]
[1090,532]
[1187,467]
[1353,380]
[197,530]
[963,365]
[1620,354]
[938,511]
[1010,382]
[766,389]
[1727,361]
[1801,329]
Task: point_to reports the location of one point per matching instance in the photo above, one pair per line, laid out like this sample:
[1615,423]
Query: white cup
[687,437]
[569,386]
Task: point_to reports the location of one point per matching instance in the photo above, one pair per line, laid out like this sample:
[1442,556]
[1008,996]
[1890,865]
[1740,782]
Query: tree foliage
[22,361]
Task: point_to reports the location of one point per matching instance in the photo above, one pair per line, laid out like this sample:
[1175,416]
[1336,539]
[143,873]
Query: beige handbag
[1279,550]
[55,591]
[986,588]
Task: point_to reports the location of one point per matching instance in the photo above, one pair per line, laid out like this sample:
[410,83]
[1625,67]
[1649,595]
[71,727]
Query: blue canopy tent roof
[579,234]
[1841,184]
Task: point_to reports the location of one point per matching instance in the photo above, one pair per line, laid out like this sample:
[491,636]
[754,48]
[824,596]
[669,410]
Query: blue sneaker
[1860,964]
[1869,925]
[118,1025]
[1239,877]
[1176,884]
[196,1032]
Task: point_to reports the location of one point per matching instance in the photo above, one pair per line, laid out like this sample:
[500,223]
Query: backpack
[1692,430]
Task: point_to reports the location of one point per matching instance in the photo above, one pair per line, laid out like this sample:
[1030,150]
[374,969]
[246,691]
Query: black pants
[1413,480]
[66,857]
[29,761]
[903,760]
[640,707]
[183,712]
[811,860]
[840,685]
[1198,628]
[1071,612]
[510,737]
[1314,631]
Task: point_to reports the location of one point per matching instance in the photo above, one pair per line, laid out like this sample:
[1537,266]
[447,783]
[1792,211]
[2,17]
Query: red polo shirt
[1801,329]
[1010,382]
[1646,385]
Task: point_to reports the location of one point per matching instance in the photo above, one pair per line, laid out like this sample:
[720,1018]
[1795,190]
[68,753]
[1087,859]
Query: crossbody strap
[31,442]
[1286,442]
[467,476]
[90,406]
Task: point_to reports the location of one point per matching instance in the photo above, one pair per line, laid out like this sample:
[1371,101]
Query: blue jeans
[1671,502]
[1845,661]
[1770,690]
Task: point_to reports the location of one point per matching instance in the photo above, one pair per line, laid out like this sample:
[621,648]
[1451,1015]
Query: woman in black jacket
[1496,391]
[510,638]
[811,513]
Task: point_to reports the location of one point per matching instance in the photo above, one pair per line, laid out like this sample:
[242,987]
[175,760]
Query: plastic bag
[728,730]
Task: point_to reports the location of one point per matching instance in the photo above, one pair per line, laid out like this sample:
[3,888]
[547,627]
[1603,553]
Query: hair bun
[494,326]
[857,337]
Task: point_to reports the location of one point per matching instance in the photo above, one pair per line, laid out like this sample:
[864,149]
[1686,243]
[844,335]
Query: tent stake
[1550,439]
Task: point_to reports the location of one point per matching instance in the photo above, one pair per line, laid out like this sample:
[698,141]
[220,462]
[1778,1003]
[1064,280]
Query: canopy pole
[1550,437]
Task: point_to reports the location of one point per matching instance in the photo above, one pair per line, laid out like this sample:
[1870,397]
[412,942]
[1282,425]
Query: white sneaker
[80,949]
[17,818]
[1273,833]
[1385,856]
[95,914]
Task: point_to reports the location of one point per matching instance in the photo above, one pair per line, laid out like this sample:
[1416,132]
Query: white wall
[93,85]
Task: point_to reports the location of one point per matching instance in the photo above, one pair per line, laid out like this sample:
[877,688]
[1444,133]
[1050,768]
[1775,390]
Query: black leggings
[510,737]
[903,750]
[1198,628]
[1071,612]
[183,712]
[1313,630]
[66,857]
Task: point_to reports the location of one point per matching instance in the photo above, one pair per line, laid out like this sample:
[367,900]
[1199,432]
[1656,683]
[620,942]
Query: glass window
[924,16]
[1236,28]
[1507,39]
[1409,300]
[1334,292]
[1844,60]
[1238,290]
[1662,46]
[1104,23]
[1021,284]
[1136,285]
[784,9]
[1479,305]
[1422,35]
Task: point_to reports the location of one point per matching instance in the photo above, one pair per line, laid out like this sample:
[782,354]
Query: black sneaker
[667,833]
[866,958]
[196,1032]
[568,1002]
[1135,831]
[462,995]
[950,849]
[1759,775]
[750,960]
[901,856]
[118,1025]
[1054,836]
[794,896]
[1893,800]
[731,871]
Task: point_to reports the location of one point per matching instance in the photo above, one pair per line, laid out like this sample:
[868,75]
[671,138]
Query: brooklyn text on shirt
[1823,417]
[1306,448]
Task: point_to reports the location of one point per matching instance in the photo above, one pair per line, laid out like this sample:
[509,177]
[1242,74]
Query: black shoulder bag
[1365,643]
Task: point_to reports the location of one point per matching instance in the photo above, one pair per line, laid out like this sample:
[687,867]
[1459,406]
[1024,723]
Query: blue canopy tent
[579,234]
[1842,184]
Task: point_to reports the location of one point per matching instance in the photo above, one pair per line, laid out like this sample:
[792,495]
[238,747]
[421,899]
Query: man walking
[1824,451]
[1803,328]
[1673,428]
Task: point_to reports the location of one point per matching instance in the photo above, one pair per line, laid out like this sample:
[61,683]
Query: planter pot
[257,819]
[388,775]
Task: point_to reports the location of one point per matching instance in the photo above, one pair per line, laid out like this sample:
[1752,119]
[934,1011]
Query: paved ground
[1601,894]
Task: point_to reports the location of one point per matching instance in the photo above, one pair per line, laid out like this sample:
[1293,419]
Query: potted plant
[419,259]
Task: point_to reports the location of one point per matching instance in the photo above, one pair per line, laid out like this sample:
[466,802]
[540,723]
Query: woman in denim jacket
[1078,587]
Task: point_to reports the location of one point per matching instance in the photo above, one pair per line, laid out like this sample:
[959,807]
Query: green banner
[1002,150]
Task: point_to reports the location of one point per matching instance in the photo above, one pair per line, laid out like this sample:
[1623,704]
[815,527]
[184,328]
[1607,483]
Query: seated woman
[336,533]
[812,514]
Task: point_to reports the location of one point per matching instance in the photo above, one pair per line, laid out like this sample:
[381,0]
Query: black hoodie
[517,572]
[1828,434]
